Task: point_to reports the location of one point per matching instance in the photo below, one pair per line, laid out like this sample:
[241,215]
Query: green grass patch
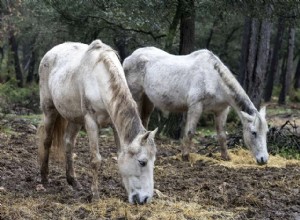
[289,153]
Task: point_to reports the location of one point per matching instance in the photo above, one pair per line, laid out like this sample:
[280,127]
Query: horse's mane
[239,95]
[123,108]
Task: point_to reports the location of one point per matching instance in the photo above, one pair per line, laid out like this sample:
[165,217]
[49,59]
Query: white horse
[85,85]
[194,83]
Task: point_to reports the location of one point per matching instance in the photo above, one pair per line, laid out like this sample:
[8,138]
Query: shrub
[17,100]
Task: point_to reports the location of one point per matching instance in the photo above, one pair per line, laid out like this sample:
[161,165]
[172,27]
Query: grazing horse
[193,84]
[85,85]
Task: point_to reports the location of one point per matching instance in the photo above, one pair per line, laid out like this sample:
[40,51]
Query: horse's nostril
[145,200]
[135,198]
[261,161]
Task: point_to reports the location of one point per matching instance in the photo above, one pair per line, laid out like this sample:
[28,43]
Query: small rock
[40,187]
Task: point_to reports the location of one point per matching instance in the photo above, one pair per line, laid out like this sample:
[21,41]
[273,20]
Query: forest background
[257,40]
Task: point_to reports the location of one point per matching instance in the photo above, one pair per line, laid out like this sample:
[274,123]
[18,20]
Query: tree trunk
[31,67]
[211,32]
[187,27]
[258,78]
[173,27]
[14,48]
[245,50]
[121,47]
[254,61]
[297,77]
[287,77]
[275,59]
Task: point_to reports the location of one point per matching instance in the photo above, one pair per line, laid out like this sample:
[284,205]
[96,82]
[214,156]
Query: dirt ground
[204,188]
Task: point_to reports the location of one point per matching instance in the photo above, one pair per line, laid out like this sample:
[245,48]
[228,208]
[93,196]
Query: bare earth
[205,188]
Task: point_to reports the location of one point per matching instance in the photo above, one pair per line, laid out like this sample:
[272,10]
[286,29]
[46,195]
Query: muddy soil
[245,192]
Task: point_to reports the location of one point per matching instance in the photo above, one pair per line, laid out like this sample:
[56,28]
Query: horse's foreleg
[220,120]
[49,122]
[69,142]
[92,131]
[192,119]
[116,137]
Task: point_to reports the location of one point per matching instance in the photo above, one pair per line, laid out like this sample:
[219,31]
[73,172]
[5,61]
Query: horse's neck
[238,98]
[121,106]
[241,102]
[126,121]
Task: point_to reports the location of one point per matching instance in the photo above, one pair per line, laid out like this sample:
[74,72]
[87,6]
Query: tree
[187,27]
[287,75]
[16,61]
[255,52]
[297,77]
[275,58]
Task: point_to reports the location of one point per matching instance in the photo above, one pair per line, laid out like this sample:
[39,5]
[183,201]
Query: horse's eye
[143,163]
[254,133]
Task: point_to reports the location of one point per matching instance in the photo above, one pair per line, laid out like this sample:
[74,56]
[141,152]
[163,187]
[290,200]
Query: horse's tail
[57,147]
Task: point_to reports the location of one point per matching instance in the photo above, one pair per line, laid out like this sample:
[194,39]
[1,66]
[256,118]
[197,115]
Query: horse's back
[58,73]
[59,59]
[174,82]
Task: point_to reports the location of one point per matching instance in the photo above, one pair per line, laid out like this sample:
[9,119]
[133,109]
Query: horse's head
[255,130]
[136,164]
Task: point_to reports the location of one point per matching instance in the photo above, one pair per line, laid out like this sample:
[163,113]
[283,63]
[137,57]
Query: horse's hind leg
[220,120]
[69,142]
[192,119]
[50,115]
[92,131]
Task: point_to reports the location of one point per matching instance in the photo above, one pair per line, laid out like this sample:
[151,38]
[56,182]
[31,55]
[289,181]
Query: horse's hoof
[74,183]
[226,157]
[96,197]
[185,157]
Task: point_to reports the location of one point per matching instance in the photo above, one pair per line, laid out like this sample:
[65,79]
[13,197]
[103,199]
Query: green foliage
[12,98]
[289,153]
[295,95]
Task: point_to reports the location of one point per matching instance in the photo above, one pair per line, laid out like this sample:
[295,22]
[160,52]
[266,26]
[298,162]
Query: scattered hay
[110,208]
[239,158]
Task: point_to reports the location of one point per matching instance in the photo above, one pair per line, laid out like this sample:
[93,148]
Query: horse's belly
[167,100]
[69,109]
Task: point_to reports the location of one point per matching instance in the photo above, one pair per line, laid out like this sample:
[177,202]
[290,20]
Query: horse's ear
[247,117]
[152,133]
[262,112]
[135,146]
[145,136]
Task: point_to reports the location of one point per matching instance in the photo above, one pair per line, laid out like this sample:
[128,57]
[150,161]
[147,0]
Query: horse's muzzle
[137,200]
[262,161]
